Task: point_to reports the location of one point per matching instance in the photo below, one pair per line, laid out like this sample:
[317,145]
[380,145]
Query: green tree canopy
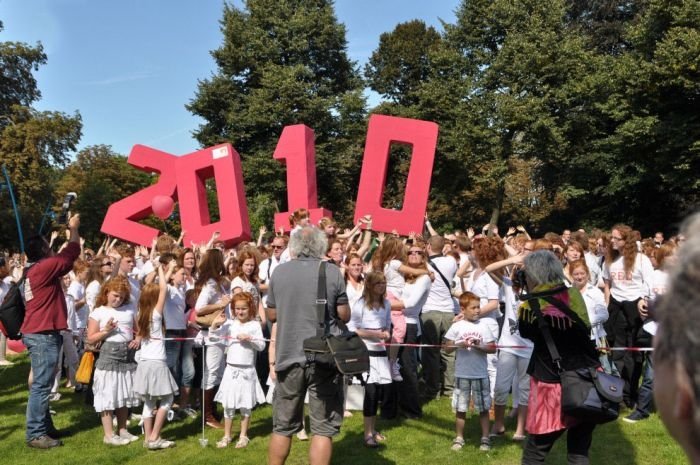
[282,63]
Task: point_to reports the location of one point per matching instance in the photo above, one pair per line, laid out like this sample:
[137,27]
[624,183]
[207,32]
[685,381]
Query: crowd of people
[180,329]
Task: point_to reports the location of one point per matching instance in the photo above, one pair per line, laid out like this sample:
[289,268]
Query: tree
[402,61]
[283,63]
[34,145]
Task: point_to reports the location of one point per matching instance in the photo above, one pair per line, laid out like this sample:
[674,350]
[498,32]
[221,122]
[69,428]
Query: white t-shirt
[597,310]
[211,293]
[124,316]
[440,295]
[153,347]
[362,317]
[91,292]
[247,286]
[633,286]
[485,288]
[659,279]
[242,353]
[394,280]
[71,320]
[510,336]
[354,294]
[470,364]
[77,291]
[267,267]
[174,309]
[414,296]
[135,286]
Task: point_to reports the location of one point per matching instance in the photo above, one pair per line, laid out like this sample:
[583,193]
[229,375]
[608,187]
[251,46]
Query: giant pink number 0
[296,149]
[382,131]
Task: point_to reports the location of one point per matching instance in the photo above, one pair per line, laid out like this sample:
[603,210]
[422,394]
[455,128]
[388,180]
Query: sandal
[379,437]
[519,438]
[371,442]
[497,434]
[223,442]
[457,443]
[242,442]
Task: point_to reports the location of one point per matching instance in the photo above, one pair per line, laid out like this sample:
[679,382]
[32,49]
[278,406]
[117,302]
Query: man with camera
[291,303]
[45,317]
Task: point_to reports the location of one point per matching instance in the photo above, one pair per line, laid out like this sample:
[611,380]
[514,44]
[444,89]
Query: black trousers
[578,441]
[376,394]
[622,327]
[404,395]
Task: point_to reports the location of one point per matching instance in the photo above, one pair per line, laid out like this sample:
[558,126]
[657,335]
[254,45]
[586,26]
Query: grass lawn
[425,442]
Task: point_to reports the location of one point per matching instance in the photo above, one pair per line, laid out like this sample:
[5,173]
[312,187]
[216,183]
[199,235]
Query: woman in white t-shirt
[414,295]
[627,276]
[112,323]
[354,280]
[213,296]
[246,280]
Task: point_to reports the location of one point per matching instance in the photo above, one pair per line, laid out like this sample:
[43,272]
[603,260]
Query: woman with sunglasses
[627,275]
[414,295]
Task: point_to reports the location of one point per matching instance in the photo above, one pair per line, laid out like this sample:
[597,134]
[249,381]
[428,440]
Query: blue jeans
[43,351]
[645,400]
[180,361]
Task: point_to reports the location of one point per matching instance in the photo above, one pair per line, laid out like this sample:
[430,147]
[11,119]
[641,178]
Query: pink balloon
[162,206]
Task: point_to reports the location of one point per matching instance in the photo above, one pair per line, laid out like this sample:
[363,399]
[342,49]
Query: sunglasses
[107,264]
[278,247]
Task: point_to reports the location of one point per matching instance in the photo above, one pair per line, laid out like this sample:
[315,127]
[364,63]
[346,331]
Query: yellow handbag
[84,372]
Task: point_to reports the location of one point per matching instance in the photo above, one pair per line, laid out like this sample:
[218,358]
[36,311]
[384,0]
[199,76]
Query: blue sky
[130,66]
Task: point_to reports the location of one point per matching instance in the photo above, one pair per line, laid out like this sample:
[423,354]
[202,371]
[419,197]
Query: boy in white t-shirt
[472,339]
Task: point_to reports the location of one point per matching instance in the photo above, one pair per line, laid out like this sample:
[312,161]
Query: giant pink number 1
[296,149]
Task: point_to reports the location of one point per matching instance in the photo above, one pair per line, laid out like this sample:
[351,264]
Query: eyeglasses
[278,247]
[415,252]
[107,264]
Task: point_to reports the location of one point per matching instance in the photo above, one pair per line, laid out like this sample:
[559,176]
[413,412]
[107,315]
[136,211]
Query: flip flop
[497,434]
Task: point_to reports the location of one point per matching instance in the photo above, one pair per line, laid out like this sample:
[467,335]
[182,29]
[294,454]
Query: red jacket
[45,308]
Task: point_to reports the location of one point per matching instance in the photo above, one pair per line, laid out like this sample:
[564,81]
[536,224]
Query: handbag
[205,321]
[346,353]
[87,362]
[12,309]
[586,393]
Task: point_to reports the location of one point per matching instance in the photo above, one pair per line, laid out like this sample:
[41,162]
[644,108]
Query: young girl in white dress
[153,382]
[371,319]
[112,324]
[240,388]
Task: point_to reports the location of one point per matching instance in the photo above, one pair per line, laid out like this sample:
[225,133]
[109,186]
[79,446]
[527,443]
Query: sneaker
[396,371]
[44,442]
[128,436]
[115,441]
[302,436]
[160,444]
[485,445]
[457,443]
[634,417]
[54,396]
[190,412]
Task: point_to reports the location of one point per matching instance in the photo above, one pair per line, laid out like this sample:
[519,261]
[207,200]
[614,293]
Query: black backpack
[12,310]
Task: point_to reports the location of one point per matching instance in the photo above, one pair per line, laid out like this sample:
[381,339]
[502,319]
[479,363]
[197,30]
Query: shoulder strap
[444,279]
[544,327]
[321,300]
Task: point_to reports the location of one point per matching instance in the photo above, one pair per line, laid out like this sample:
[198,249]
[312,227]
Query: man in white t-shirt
[436,317]
[279,245]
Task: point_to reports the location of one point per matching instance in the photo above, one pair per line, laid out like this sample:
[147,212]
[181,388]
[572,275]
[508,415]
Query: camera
[67,200]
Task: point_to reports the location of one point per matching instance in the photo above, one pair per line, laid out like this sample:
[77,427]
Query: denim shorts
[476,389]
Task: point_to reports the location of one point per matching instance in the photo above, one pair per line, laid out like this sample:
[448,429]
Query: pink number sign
[183,178]
[296,149]
[382,132]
